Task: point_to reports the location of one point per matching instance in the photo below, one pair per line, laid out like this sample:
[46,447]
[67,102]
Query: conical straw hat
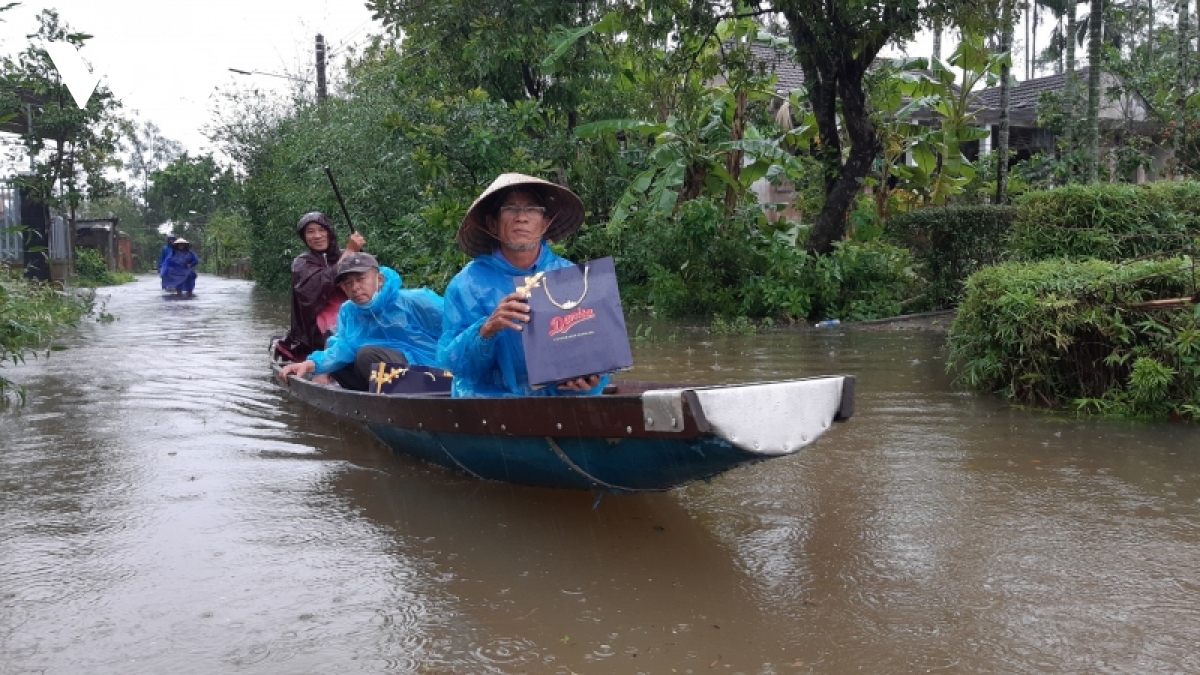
[564,209]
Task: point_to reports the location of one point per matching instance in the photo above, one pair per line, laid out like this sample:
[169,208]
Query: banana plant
[704,145]
[939,170]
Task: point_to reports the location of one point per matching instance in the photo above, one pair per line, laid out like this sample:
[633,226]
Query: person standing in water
[165,253]
[179,271]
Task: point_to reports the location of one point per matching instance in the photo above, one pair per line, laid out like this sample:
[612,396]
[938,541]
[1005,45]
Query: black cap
[355,262]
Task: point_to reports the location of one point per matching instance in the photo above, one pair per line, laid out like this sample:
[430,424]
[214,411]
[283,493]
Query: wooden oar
[338,193]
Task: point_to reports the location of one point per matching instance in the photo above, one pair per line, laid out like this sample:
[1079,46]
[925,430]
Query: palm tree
[1182,40]
[1150,18]
[1062,45]
[1095,35]
[1006,36]
[937,39]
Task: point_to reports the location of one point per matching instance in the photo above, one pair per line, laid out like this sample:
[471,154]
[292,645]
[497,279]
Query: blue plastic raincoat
[409,321]
[163,256]
[178,271]
[491,366]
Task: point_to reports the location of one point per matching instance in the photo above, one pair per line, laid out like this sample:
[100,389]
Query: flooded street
[166,508]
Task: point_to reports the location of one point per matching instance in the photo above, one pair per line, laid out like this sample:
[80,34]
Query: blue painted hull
[614,465]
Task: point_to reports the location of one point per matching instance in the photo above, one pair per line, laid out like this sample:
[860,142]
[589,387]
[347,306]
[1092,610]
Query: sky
[165,59]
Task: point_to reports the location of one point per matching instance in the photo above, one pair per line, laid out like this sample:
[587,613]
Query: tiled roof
[779,61]
[789,73]
[1024,96]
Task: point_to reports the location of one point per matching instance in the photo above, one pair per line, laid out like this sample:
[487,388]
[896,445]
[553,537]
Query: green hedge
[700,262]
[1058,333]
[948,244]
[1109,222]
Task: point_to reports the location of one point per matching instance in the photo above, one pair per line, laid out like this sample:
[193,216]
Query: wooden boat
[636,437]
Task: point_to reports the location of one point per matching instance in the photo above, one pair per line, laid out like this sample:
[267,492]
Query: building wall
[124,253]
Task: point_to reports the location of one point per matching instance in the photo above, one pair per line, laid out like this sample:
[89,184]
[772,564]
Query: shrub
[408,161]
[700,263]
[1109,222]
[31,313]
[1054,333]
[949,244]
[91,270]
[860,281]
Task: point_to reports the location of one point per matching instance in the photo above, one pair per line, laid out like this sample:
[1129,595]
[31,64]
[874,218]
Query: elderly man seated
[381,322]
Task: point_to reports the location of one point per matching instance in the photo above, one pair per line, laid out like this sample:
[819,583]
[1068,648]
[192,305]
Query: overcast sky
[164,59]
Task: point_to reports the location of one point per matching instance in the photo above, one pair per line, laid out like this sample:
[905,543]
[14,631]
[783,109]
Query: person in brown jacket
[315,297]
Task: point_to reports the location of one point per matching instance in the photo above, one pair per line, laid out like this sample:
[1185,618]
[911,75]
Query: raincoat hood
[392,283]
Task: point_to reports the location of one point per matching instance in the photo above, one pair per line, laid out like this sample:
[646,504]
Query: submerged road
[166,508]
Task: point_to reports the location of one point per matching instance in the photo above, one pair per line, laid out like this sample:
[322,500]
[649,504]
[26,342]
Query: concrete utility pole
[320,69]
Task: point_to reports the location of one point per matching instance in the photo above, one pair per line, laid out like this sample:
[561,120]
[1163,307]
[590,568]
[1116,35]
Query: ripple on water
[507,651]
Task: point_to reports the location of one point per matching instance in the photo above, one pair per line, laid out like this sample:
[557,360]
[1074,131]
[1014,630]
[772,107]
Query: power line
[342,43]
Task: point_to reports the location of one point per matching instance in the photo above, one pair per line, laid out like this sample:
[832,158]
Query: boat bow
[763,418]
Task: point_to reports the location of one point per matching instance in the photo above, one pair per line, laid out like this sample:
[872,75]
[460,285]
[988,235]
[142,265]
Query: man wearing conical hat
[507,232]
[179,268]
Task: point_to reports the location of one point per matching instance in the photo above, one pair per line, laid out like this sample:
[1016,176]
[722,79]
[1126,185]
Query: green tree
[146,151]
[73,146]
[836,43]
[190,190]
[499,46]
[707,146]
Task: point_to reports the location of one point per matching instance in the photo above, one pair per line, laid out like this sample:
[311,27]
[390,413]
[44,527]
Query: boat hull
[612,465]
[638,437]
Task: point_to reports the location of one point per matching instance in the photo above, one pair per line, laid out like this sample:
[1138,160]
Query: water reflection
[165,509]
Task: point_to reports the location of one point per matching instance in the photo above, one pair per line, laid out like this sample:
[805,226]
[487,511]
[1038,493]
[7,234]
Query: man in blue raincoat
[382,322]
[165,254]
[507,231]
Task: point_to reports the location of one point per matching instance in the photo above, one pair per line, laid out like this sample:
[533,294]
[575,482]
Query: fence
[60,240]
[11,249]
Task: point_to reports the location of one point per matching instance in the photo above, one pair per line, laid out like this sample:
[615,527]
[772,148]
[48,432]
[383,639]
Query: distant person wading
[179,268]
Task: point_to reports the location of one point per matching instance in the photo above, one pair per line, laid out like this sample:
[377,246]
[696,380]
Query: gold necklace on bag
[569,304]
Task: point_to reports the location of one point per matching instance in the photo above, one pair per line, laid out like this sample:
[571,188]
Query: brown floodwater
[166,508]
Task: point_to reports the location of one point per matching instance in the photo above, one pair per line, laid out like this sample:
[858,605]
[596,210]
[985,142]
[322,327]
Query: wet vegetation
[666,119]
[1061,333]
[1073,328]
[31,315]
[91,270]
[949,244]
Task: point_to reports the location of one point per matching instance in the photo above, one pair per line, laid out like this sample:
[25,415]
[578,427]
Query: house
[102,235]
[1120,117]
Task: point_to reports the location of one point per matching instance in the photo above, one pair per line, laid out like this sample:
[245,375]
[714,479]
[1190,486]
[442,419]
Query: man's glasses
[518,210]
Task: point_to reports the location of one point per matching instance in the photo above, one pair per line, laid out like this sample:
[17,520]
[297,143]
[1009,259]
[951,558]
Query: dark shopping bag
[576,326]
[401,378]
